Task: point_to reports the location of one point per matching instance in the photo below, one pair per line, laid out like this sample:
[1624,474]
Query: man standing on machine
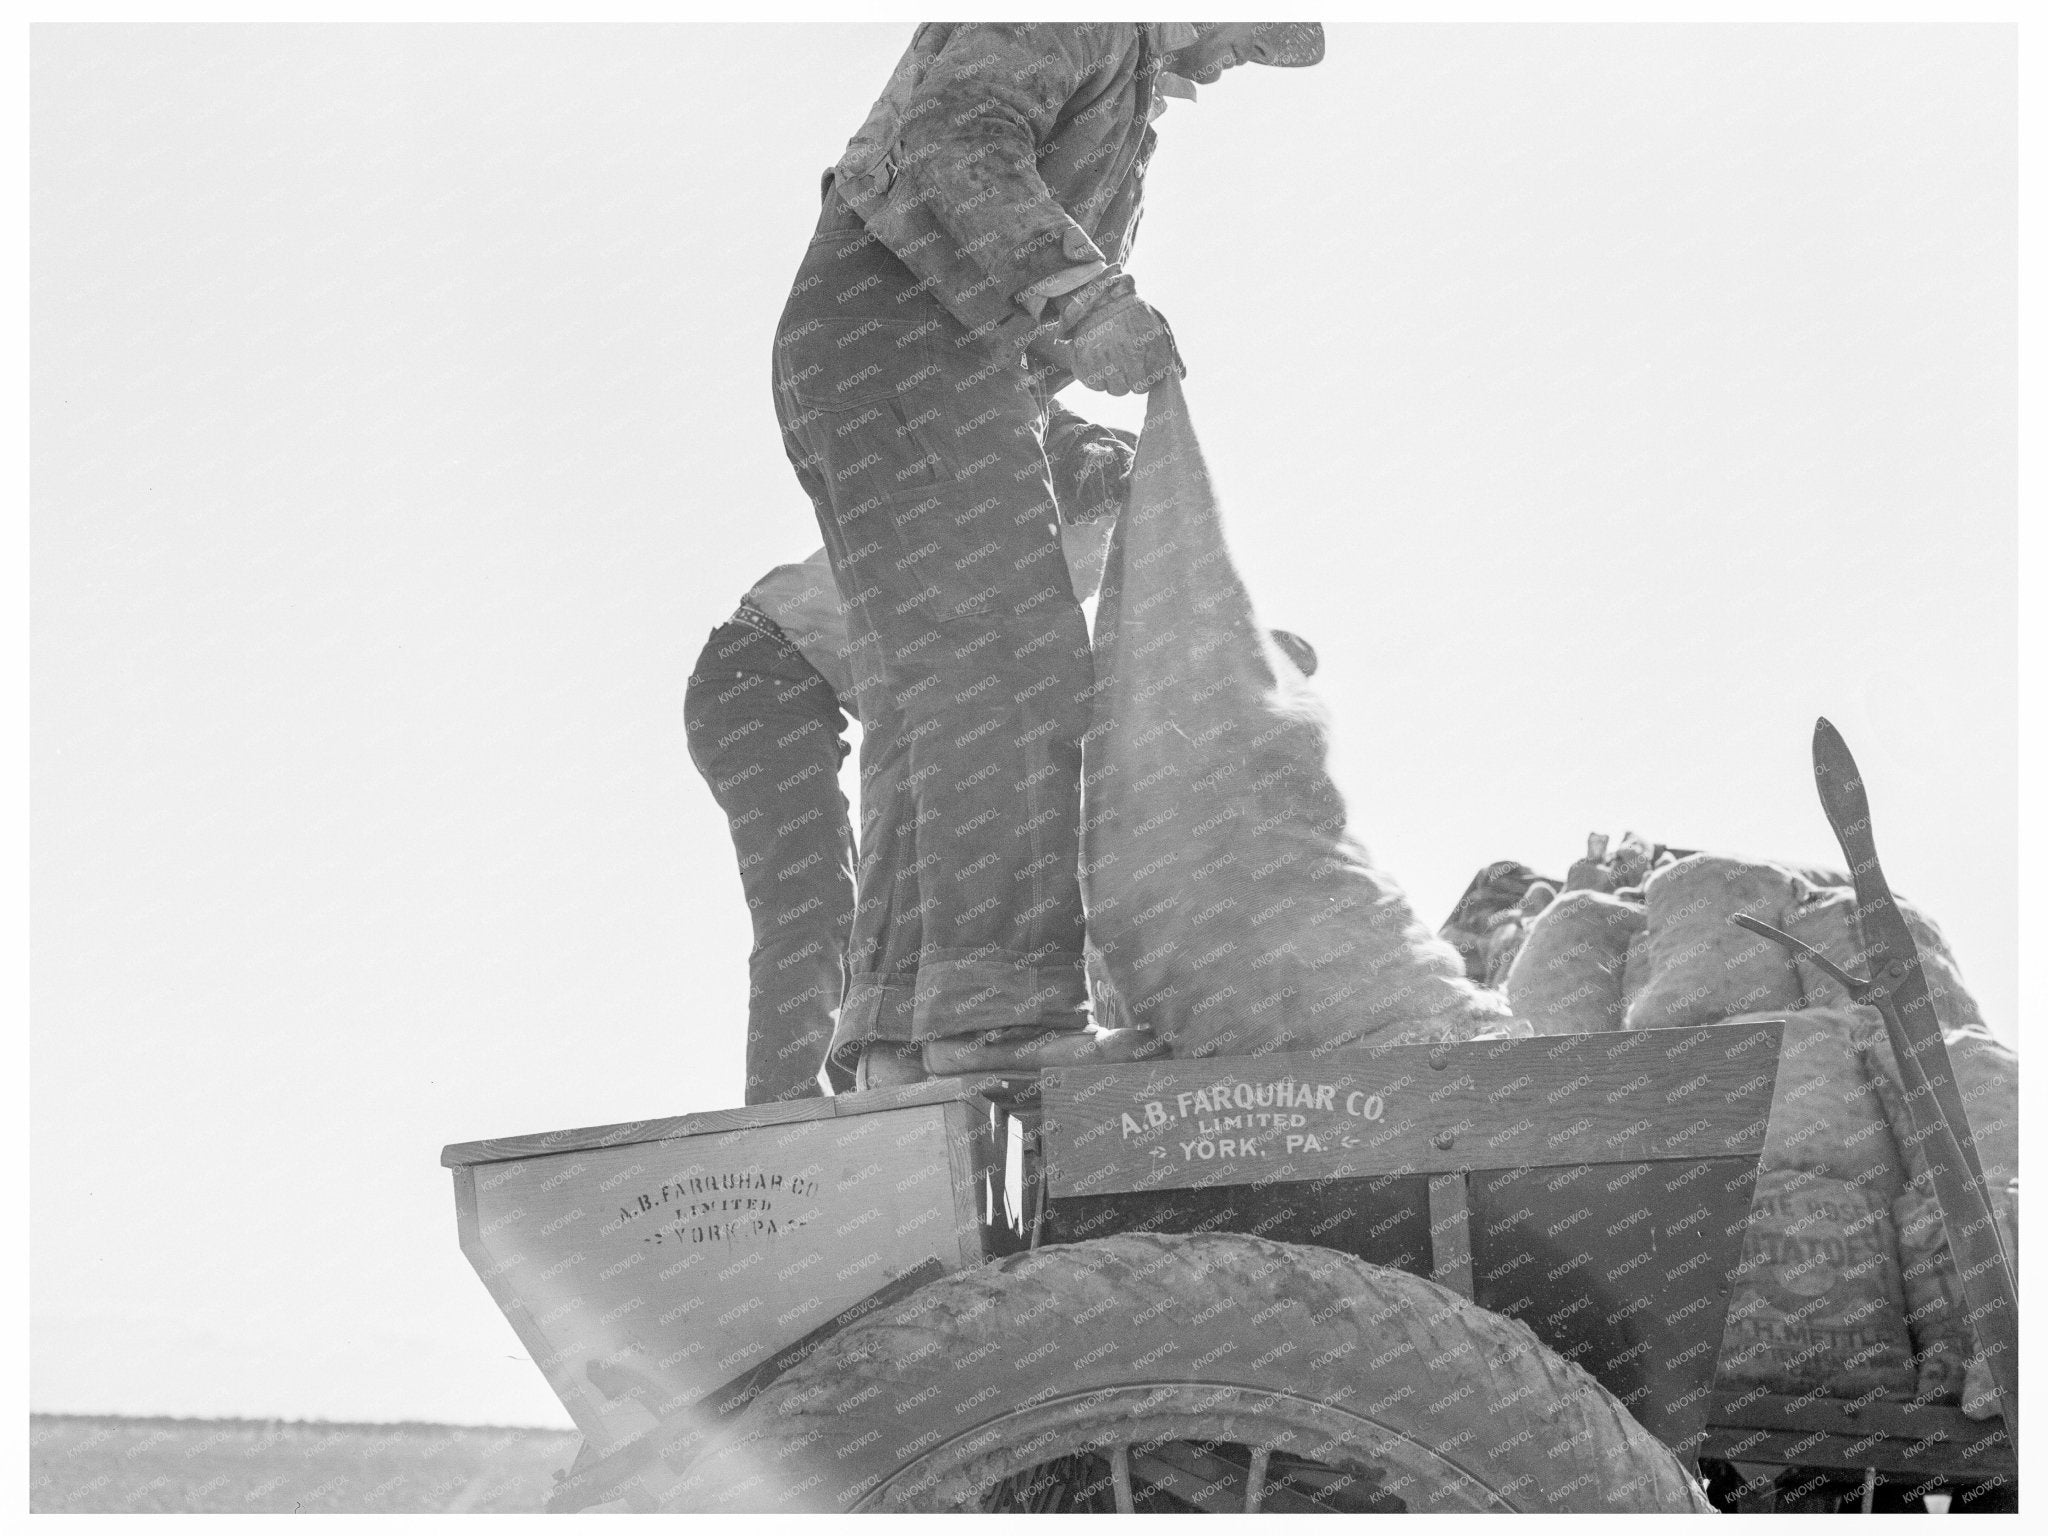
[965,268]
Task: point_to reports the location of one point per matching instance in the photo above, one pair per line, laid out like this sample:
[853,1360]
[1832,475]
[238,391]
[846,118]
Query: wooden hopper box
[659,1273]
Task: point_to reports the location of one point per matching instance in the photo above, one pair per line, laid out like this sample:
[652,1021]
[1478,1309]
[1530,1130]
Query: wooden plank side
[641,1276]
[968,1152]
[1450,1232]
[1547,1102]
[498,1149]
[1852,1451]
[1624,1269]
[1848,1434]
[498,1276]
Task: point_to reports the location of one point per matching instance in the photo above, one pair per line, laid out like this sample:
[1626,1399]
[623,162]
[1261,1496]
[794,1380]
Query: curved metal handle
[1856,985]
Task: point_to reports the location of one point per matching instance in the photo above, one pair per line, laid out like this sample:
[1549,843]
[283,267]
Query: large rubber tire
[1423,1400]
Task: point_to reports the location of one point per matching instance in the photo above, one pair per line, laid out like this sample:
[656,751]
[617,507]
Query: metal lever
[1941,1122]
[1858,988]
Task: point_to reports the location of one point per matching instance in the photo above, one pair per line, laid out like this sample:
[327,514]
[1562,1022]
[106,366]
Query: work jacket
[1005,157]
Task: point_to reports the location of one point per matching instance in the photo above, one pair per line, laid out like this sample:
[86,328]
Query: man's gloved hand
[1120,343]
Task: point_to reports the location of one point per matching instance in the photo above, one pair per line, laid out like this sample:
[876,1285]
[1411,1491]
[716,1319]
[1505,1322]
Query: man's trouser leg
[765,731]
[925,462]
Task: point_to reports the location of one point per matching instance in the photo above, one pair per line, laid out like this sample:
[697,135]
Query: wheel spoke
[1207,1475]
[1255,1484]
[1190,1473]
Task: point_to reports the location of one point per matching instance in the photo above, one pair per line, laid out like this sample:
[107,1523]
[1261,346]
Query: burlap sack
[1503,942]
[1826,919]
[1827,1116]
[1953,1004]
[1567,978]
[1702,967]
[1935,1308]
[1987,1074]
[1817,1305]
[1980,1389]
[1632,861]
[1635,970]
[1589,874]
[1233,908]
[1494,890]
[1510,931]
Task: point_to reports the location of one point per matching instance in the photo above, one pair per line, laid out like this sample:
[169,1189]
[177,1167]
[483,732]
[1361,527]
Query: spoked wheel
[1154,1450]
[1215,1372]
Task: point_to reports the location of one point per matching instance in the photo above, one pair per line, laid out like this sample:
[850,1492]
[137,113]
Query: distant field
[248,1466]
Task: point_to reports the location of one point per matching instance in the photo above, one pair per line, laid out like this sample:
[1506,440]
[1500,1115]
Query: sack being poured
[1230,911]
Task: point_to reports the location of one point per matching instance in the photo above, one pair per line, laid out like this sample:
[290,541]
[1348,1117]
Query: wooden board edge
[1450,1232]
[628,1133]
[1756,1409]
[1812,1430]
[1846,1451]
[966,1133]
[939,1090]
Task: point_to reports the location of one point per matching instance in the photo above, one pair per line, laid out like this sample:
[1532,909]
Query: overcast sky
[1604,404]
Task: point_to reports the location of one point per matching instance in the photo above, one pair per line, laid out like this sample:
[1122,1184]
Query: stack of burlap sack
[1846,1286]
[1493,918]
